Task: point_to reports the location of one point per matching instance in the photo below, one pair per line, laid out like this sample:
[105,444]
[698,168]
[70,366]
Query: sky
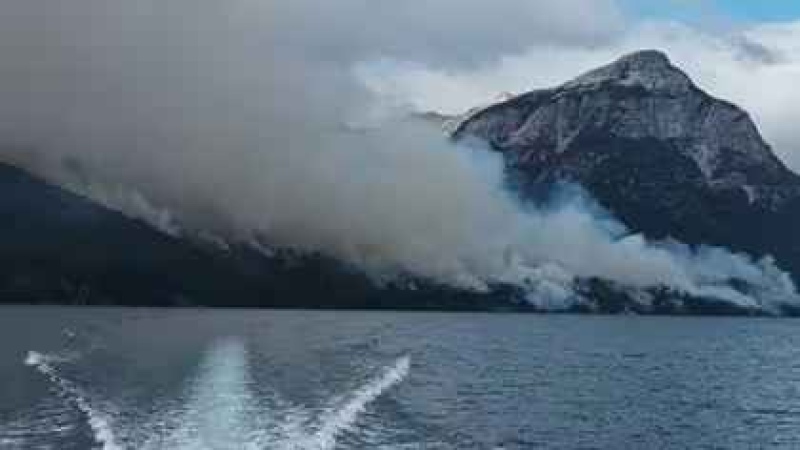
[754,10]
[732,10]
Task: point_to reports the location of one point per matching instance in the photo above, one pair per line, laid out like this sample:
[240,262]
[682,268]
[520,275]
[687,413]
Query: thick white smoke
[246,118]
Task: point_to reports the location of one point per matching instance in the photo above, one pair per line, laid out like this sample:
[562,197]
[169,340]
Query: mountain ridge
[603,130]
[667,158]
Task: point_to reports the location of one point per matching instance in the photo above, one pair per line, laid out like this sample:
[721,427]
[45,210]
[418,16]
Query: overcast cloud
[755,66]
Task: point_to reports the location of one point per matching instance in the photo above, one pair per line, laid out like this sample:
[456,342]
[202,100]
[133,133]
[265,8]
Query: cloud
[755,66]
[442,32]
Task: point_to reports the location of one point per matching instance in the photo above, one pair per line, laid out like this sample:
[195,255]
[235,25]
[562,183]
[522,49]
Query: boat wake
[97,420]
[342,418]
[220,410]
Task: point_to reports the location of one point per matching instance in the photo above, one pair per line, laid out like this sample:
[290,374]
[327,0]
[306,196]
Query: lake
[77,378]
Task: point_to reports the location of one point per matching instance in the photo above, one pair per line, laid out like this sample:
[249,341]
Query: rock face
[667,158]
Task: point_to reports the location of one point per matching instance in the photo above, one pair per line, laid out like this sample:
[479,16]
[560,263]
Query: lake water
[76,378]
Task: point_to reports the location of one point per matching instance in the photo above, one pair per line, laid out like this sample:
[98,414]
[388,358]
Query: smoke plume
[250,120]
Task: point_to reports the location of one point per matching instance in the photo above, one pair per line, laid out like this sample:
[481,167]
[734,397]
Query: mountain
[668,159]
[58,247]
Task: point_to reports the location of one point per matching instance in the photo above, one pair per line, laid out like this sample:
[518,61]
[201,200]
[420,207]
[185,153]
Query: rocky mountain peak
[648,69]
[664,156]
[638,98]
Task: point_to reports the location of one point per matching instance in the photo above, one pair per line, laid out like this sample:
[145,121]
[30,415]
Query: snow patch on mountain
[649,69]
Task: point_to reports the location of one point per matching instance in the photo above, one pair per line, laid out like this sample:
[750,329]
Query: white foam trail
[98,422]
[220,409]
[222,412]
[343,418]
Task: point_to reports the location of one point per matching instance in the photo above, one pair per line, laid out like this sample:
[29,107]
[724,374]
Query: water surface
[76,378]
